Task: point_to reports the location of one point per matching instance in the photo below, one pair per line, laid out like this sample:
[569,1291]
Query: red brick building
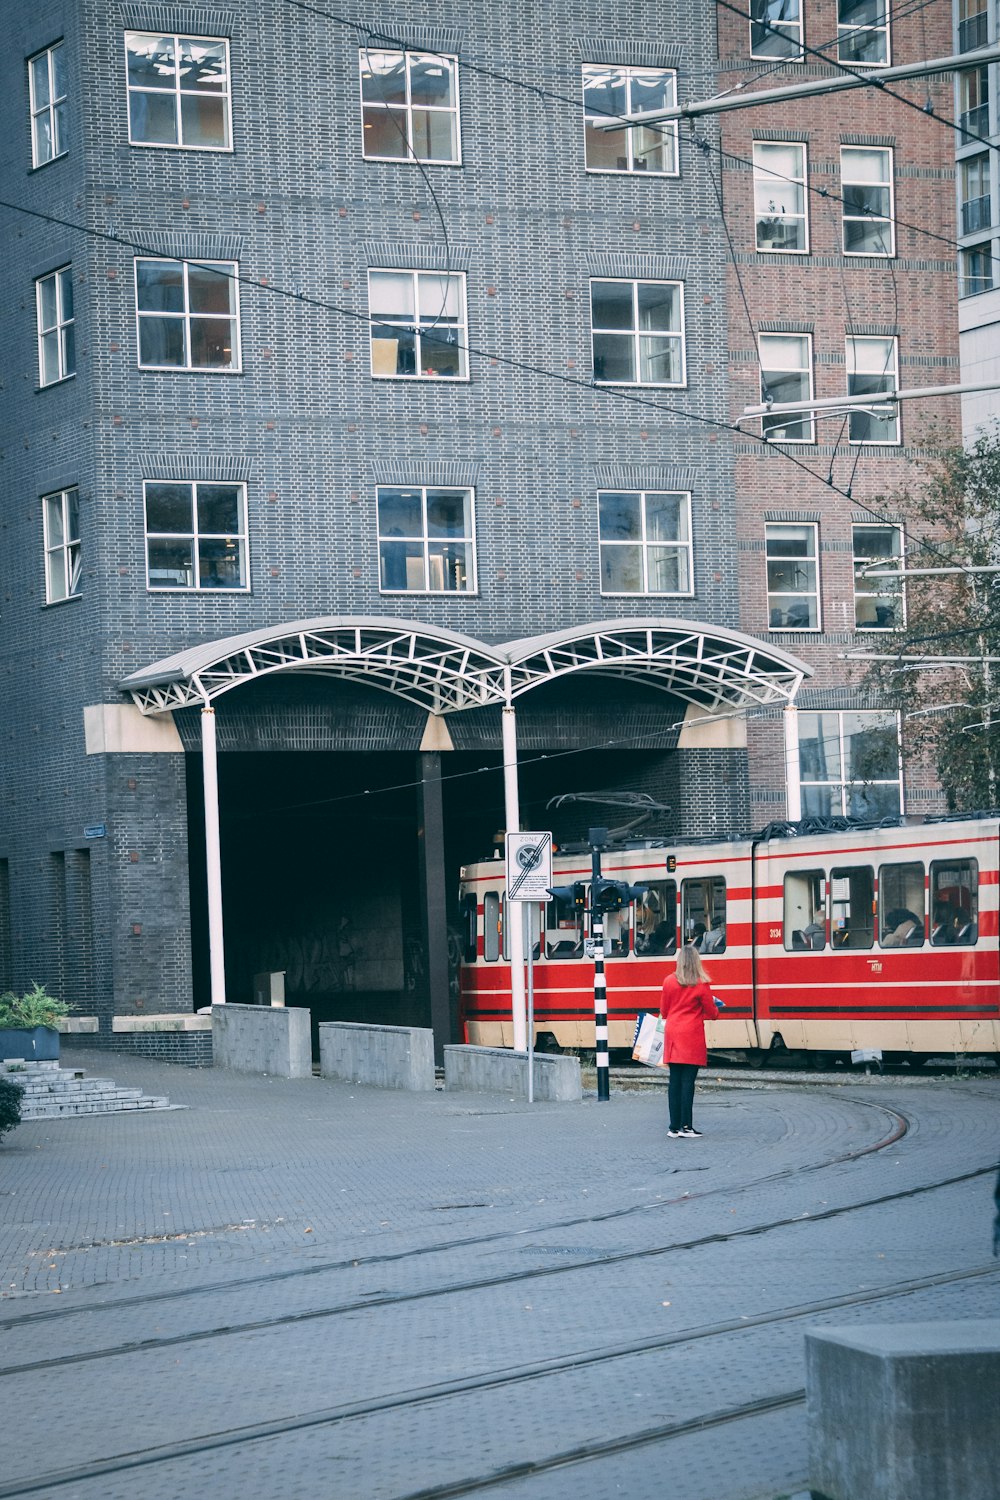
[842,278]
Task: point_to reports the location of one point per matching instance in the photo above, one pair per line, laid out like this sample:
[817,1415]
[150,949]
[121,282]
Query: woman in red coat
[686,1003]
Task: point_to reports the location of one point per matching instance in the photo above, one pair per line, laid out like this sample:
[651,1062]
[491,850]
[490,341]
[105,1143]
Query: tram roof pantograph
[444,672]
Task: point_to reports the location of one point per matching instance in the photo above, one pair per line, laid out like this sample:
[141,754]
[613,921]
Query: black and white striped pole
[597,838]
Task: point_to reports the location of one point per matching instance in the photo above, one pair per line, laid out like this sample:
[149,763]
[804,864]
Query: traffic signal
[574,895]
[612,895]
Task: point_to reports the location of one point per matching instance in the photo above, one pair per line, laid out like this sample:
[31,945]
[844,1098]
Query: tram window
[852,907]
[469,924]
[901,905]
[656,918]
[955,902]
[563,930]
[491,926]
[804,914]
[704,906]
[536,909]
[616,933]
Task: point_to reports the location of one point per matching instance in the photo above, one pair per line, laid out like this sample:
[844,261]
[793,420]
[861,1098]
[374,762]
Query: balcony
[976,215]
[973,33]
[976,122]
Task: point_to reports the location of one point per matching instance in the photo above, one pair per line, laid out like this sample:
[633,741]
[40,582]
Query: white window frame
[889,376]
[884,183]
[771,528]
[973,285]
[682,547]
[841,783]
[177,92]
[424,538]
[56,117]
[763,175]
[638,334]
[64,327]
[229,268]
[62,555]
[880,588]
[195,536]
[406,109]
[666,129]
[845,31]
[774,428]
[793,29]
[421,325]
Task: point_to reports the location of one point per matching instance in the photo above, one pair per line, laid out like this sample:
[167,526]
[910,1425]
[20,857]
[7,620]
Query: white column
[793,784]
[213,855]
[515,926]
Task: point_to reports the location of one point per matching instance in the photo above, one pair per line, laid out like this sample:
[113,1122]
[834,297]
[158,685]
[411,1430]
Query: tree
[944,671]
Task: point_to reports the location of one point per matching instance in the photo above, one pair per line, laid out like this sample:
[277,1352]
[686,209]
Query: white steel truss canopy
[443,672]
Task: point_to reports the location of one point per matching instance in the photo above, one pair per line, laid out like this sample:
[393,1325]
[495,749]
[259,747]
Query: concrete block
[385,1057]
[259,1039]
[498,1070]
[905,1411]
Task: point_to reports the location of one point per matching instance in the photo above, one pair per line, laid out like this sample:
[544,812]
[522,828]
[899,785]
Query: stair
[51,1092]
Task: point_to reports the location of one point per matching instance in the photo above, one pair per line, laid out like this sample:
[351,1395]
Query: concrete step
[51,1092]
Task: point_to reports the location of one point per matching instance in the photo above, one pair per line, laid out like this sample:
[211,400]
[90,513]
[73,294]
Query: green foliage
[36,1007]
[951,708]
[10,1105]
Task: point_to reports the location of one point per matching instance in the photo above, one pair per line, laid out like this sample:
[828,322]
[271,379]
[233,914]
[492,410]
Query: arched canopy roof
[444,672]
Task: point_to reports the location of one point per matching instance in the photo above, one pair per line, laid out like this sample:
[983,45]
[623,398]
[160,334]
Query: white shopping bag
[647,1044]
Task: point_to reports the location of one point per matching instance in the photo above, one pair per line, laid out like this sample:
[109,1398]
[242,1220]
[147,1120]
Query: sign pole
[601,1056]
[529,949]
[528,878]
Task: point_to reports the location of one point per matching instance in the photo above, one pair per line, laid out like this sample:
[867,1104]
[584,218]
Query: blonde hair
[689,967]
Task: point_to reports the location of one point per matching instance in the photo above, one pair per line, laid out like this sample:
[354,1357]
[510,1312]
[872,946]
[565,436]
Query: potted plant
[28,1025]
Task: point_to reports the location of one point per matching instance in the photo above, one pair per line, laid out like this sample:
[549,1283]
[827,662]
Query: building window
[872,369]
[863,32]
[866,188]
[849,764]
[974,101]
[196,535]
[645,542]
[792,577]
[629,91]
[426,541]
[409,106]
[178,91]
[975,181]
[779,189]
[973,24]
[47,88]
[61,527]
[775,28]
[188,314]
[878,602]
[418,324]
[638,332]
[56,333]
[786,375]
[977,269]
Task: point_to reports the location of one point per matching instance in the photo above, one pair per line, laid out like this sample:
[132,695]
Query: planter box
[40,1044]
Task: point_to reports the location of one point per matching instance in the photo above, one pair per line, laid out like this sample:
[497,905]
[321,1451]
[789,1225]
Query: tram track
[470,1284]
[505,1378]
[900,1123]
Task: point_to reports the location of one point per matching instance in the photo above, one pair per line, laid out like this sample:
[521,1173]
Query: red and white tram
[827,942]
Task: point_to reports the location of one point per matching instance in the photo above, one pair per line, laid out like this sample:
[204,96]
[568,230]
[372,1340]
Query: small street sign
[529,866]
[95,831]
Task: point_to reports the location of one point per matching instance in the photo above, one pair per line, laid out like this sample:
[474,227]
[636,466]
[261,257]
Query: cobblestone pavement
[304,1288]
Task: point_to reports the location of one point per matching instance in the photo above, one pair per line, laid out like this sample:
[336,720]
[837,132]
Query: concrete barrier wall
[904,1411]
[259,1039]
[498,1070]
[385,1057]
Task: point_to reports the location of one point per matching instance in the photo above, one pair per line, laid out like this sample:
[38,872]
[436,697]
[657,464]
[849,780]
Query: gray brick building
[324,322]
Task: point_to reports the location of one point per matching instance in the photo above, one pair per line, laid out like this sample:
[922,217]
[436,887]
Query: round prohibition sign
[529,856]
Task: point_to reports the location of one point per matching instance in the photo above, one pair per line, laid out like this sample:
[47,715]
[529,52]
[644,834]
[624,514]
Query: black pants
[680,1093]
